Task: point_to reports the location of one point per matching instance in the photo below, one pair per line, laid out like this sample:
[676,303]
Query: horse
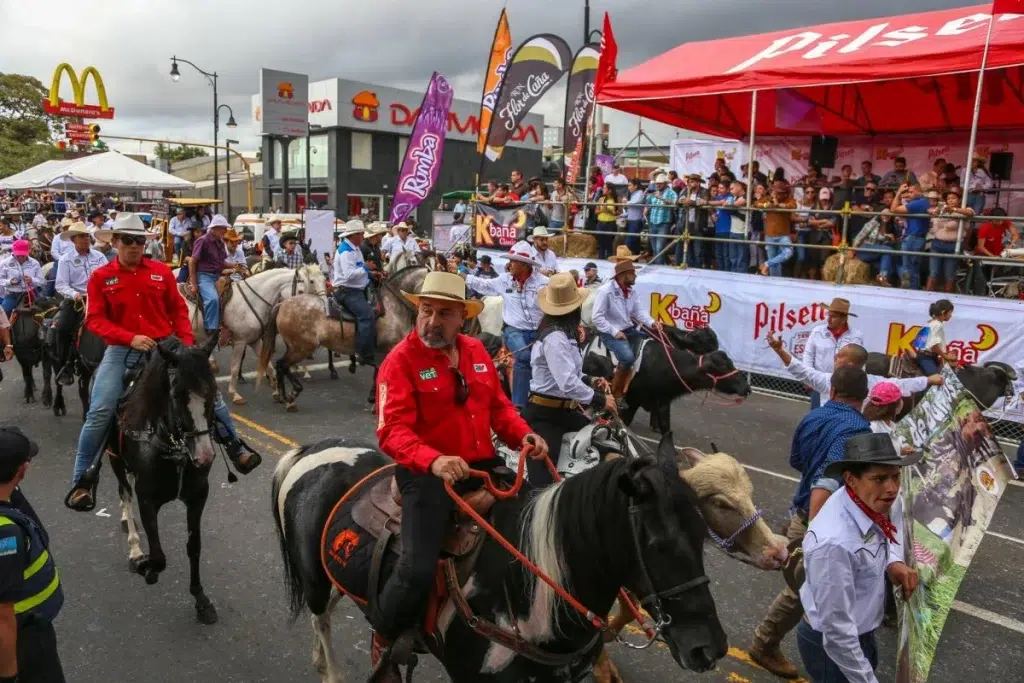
[162,448]
[26,337]
[85,355]
[304,326]
[988,382]
[637,519]
[248,311]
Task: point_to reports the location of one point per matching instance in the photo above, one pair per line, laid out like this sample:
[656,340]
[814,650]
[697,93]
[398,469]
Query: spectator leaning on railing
[914,234]
[946,228]
[777,228]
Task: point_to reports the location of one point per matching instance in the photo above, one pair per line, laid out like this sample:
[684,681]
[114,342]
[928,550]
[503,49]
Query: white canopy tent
[109,171]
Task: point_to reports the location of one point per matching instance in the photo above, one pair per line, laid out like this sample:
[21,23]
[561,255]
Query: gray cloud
[391,42]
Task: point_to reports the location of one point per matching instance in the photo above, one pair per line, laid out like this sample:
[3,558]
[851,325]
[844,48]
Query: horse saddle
[341,312]
[224,290]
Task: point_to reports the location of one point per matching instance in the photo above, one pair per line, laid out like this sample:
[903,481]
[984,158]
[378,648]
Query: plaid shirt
[292,260]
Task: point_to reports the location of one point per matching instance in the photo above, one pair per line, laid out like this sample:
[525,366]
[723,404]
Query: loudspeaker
[823,151]
[1000,165]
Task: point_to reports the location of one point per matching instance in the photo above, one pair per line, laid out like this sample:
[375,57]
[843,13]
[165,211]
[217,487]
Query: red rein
[662,338]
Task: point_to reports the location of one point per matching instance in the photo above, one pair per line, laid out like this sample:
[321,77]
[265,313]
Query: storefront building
[358,137]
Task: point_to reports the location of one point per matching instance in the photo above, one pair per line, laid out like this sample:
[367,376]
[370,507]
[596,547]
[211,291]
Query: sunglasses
[132,240]
[461,388]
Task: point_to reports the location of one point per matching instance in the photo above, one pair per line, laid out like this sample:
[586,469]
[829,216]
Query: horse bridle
[715,379]
[653,601]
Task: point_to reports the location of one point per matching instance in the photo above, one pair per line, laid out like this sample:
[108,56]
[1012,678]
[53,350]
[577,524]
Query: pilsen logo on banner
[78,108]
[775,319]
[401,115]
[815,45]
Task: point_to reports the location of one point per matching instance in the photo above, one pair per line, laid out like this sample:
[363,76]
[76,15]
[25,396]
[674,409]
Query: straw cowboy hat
[622,253]
[66,223]
[75,230]
[270,221]
[561,295]
[841,306]
[232,235]
[352,227]
[375,228]
[402,226]
[522,252]
[438,285]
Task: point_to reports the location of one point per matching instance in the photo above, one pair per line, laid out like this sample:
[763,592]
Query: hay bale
[855,271]
[574,245]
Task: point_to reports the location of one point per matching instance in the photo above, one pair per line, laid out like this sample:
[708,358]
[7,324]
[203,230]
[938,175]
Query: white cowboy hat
[125,224]
[218,221]
[74,231]
[561,295]
[352,227]
[402,226]
[445,287]
[522,251]
[272,220]
[541,231]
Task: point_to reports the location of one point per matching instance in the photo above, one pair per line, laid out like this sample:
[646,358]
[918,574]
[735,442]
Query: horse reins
[662,338]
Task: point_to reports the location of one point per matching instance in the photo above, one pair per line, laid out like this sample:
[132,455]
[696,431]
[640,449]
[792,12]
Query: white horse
[403,260]
[247,312]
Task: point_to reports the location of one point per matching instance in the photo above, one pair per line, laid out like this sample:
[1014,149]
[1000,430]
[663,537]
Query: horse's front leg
[128,525]
[30,381]
[205,611]
[60,408]
[149,567]
[330,364]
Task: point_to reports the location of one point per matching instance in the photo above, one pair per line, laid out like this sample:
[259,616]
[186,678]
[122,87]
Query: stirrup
[255,459]
[88,483]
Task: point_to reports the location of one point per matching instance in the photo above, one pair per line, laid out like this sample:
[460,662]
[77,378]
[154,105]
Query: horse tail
[267,347]
[292,574]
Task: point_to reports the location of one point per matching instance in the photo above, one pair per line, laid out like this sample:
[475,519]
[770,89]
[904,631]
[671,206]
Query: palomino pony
[248,311]
[637,519]
[162,447]
[304,326]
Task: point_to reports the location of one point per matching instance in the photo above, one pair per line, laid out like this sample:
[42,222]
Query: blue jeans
[886,267]
[694,253]
[366,320]
[633,230]
[517,341]
[622,347]
[659,240]
[780,250]
[107,385]
[179,242]
[911,263]
[11,300]
[721,253]
[821,669]
[556,225]
[976,201]
[211,300]
[739,254]
[943,268]
[929,363]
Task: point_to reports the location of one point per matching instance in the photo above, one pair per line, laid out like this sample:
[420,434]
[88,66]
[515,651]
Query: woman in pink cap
[884,404]
[19,274]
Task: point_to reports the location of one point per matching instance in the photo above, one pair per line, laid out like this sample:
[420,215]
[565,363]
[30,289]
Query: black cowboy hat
[288,237]
[870,449]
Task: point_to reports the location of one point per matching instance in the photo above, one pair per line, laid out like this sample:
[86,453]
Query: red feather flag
[606,68]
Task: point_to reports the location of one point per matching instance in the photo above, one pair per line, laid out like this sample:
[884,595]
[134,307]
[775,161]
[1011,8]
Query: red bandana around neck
[883,522]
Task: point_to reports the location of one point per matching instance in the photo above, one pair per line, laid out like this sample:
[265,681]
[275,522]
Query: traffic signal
[94,136]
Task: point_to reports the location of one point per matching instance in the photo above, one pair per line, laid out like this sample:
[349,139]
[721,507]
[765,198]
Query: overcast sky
[389,42]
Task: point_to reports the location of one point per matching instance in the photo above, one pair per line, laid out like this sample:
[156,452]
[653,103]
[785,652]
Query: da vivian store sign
[77,107]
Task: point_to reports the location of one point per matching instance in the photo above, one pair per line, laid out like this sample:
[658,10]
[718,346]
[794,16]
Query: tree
[27,133]
[179,153]
[259,155]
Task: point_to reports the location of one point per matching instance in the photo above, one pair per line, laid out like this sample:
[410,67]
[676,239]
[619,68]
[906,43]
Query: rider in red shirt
[438,397]
[133,302]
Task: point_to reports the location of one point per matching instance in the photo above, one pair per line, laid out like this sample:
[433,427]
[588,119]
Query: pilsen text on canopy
[889,75]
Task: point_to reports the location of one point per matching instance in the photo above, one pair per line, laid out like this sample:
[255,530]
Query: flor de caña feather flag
[535,67]
[501,52]
[423,156]
[579,105]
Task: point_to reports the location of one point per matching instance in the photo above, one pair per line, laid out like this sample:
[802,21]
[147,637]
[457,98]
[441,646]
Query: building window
[362,151]
[403,145]
[318,158]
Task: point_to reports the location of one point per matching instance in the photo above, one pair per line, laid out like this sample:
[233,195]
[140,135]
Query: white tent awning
[107,171]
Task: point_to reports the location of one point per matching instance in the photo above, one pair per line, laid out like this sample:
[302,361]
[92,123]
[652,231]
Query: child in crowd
[930,344]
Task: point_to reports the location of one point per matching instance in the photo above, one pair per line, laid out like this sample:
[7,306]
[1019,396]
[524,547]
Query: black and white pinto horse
[162,450]
[634,518]
[663,372]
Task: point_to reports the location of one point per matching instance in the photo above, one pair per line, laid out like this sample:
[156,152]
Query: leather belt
[548,402]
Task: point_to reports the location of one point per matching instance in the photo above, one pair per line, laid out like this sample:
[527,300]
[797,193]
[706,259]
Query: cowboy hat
[125,224]
[402,226]
[870,449]
[624,267]
[271,220]
[288,237]
[622,253]
[233,235]
[66,222]
[352,227]
[445,287]
[841,306]
[522,252]
[375,228]
[74,231]
[660,178]
[561,295]
[218,221]
[541,231]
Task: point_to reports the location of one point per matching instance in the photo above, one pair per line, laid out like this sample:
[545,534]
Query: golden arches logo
[78,108]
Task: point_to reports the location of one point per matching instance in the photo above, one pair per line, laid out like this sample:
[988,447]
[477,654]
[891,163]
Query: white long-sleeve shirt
[59,247]
[822,346]
[179,228]
[822,381]
[519,307]
[13,274]
[547,259]
[846,557]
[396,246]
[558,369]
[614,311]
[349,267]
[73,271]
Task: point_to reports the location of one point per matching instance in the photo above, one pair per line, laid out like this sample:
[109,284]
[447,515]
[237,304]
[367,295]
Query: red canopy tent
[913,73]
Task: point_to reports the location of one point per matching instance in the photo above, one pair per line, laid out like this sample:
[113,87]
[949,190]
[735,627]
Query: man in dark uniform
[30,591]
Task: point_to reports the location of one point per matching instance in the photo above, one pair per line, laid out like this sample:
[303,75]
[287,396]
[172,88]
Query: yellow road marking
[263,430]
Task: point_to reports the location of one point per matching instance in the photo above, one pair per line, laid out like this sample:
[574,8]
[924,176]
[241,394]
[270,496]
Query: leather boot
[770,657]
[948,286]
[932,285]
[812,273]
[619,381]
[244,458]
[390,672]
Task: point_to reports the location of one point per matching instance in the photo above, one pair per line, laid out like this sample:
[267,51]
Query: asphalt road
[115,628]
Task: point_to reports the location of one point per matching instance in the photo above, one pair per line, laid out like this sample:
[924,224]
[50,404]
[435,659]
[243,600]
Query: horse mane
[151,399]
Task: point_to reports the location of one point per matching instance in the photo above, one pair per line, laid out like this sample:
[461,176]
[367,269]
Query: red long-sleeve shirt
[123,303]
[418,419]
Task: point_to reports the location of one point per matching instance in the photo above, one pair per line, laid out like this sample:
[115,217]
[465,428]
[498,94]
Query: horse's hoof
[334,374]
[206,613]
[238,400]
[60,410]
[135,563]
[291,408]
[277,397]
[30,399]
[47,401]
[152,576]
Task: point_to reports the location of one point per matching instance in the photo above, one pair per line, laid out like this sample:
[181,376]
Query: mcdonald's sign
[78,108]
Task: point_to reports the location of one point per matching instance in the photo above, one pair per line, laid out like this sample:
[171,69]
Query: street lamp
[309,131]
[212,78]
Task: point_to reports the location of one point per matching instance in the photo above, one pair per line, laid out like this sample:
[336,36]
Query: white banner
[320,233]
[744,309]
[284,103]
